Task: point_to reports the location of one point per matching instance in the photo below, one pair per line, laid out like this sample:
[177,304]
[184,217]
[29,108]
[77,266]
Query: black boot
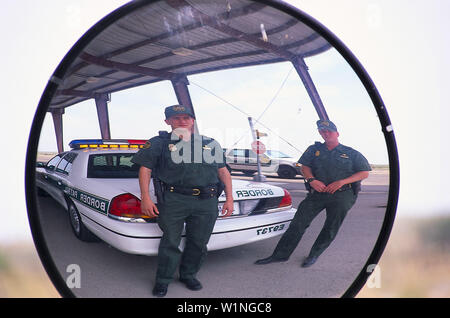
[160,290]
[271,259]
[309,261]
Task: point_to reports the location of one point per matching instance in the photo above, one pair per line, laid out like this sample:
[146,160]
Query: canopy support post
[184,98]
[302,70]
[101,102]
[58,124]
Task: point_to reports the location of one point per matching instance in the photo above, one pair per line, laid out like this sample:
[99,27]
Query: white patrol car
[98,184]
[272,161]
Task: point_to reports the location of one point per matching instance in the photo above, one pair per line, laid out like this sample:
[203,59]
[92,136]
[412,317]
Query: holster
[159,190]
[356,187]
[220,188]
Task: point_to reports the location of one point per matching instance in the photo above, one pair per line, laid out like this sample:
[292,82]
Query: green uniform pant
[336,206]
[199,215]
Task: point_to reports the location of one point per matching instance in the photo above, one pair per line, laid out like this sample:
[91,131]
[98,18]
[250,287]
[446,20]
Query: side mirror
[40,164]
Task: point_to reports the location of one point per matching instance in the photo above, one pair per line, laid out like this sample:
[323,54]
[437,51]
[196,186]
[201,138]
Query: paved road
[107,272]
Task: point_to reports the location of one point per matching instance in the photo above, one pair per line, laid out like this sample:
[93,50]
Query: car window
[112,166]
[61,165]
[51,164]
[239,152]
[277,154]
[68,168]
[65,165]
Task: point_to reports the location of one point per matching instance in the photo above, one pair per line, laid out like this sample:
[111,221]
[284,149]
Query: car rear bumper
[144,238]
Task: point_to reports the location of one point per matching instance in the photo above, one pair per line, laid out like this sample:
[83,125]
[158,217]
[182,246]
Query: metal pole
[259,177]
[58,123]
[101,102]
[184,98]
[302,70]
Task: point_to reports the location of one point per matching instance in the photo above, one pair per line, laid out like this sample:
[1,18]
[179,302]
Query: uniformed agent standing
[189,167]
[333,173]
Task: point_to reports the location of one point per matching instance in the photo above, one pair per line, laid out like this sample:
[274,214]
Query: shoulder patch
[147,145]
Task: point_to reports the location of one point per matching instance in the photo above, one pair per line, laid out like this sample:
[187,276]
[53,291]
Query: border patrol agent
[333,173]
[186,169]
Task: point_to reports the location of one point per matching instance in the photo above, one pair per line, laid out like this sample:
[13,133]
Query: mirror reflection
[265,87]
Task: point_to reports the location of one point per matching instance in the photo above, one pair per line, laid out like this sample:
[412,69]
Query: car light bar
[107,143]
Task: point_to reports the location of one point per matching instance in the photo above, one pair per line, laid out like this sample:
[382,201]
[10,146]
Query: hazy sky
[402,44]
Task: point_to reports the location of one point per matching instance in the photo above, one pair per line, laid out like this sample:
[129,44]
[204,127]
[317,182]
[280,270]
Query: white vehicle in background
[98,185]
[272,161]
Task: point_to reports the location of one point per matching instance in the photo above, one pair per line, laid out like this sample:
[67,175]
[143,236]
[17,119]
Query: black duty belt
[345,187]
[209,191]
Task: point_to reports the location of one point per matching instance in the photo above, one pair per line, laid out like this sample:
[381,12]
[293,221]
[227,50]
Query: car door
[62,176]
[265,160]
[251,157]
[240,158]
[47,178]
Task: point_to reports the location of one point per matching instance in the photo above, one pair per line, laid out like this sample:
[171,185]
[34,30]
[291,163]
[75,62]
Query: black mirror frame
[52,85]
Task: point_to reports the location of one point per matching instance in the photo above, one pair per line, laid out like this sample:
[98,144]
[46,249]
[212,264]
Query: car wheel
[248,173]
[42,193]
[78,228]
[286,172]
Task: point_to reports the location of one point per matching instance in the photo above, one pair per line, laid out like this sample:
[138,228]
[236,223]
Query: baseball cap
[326,124]
[178,109]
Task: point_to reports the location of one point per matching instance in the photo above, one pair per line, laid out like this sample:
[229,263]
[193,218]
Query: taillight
[127,206]
[287,199]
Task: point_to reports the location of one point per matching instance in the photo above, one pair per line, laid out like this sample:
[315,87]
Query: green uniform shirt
[193,163]
[329,166]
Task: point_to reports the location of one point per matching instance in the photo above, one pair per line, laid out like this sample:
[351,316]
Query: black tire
[286,172]
[78,228]
[248,173]
[41,192]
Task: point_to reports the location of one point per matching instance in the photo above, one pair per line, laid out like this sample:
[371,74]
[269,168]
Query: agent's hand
[333,187]
[228,208]
[148,207]
[318,185]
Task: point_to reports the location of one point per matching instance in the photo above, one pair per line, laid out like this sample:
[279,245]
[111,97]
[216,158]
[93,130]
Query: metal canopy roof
[171,39]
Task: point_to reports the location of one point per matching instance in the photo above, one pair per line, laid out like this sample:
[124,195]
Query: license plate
[235,212]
